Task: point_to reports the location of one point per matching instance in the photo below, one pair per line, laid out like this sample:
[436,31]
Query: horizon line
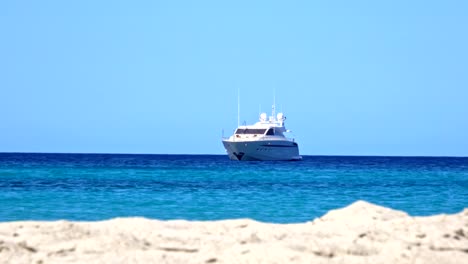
[206,154]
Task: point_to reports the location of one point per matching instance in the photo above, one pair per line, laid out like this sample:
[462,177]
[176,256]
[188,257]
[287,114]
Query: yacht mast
[238,107]
[273,108]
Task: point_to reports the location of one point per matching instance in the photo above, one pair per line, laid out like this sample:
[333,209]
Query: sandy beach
[359,233]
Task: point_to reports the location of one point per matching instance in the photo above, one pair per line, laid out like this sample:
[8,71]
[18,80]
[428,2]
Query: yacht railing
[262,138]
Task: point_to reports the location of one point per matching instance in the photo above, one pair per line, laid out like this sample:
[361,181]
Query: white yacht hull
[262,150]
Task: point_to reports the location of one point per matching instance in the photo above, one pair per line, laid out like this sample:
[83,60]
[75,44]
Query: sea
[90,187]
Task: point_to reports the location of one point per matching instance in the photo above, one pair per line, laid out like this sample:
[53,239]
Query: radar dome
[263,117]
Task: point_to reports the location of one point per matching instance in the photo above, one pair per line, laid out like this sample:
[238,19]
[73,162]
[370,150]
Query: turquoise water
[211,187]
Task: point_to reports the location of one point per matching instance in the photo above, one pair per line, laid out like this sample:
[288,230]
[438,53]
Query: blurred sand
[359,233]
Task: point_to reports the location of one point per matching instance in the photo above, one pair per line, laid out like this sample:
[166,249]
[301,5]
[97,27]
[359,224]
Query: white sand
[359,233]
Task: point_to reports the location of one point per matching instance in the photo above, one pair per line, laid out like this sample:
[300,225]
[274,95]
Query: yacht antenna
[273,110]
[238,107]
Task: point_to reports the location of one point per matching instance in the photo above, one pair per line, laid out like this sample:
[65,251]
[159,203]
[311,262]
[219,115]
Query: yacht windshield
[250,131]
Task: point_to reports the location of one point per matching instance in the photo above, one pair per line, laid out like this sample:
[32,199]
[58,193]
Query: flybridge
[279,120]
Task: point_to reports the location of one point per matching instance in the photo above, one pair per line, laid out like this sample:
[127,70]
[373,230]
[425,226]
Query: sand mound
[359,233]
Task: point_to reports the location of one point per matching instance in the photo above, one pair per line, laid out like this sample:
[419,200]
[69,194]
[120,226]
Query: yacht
[264,140]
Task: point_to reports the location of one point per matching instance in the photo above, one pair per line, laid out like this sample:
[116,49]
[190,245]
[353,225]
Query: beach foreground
[359,233]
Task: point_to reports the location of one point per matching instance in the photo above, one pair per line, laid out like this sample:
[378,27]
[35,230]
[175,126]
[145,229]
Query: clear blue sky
[353,77]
